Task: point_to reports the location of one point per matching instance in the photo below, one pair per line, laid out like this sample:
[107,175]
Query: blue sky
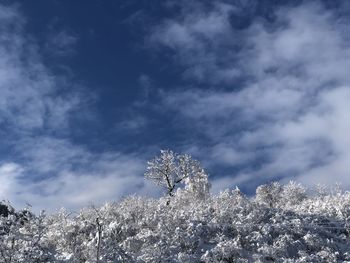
[91,90]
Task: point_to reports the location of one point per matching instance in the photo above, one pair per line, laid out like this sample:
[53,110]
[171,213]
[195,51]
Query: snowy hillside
[228,227]
[281,223]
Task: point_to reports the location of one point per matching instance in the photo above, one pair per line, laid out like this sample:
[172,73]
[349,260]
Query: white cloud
[189,32]
[61,43]
[227,154]
[8,176]
[289,117]
[44,167]
[196,37]
[30,94]
[57,173]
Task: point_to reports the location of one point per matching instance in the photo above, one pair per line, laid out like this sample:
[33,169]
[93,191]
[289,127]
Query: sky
[257,91]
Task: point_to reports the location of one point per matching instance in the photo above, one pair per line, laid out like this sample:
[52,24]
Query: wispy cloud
[274,93]
[268,100]
[56,173]
[43,166]
[198,37]
[30,94]
[61,43]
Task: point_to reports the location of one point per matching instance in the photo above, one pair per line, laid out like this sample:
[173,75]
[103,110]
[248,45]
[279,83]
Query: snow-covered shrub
[269,194]
[282,223]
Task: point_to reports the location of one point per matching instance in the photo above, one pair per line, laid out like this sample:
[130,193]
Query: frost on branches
[170,170]
[281,223]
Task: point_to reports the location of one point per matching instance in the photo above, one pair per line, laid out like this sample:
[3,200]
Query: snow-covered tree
[198,185]
[170,170]
[282,223]
[23,239]
[293,194]
[269,194]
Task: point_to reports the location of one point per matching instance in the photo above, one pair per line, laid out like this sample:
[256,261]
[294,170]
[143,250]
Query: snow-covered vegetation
[281,223]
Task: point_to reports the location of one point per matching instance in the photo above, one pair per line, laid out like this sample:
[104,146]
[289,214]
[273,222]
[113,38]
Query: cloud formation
[61,43]
[42,165]
[263,100]
[57,173]
[30,94]
[198,37]
[272,98]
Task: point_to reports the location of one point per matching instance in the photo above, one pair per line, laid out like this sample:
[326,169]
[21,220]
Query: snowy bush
[282,223]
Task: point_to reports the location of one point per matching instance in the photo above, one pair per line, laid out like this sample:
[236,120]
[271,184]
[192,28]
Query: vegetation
[281,223]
